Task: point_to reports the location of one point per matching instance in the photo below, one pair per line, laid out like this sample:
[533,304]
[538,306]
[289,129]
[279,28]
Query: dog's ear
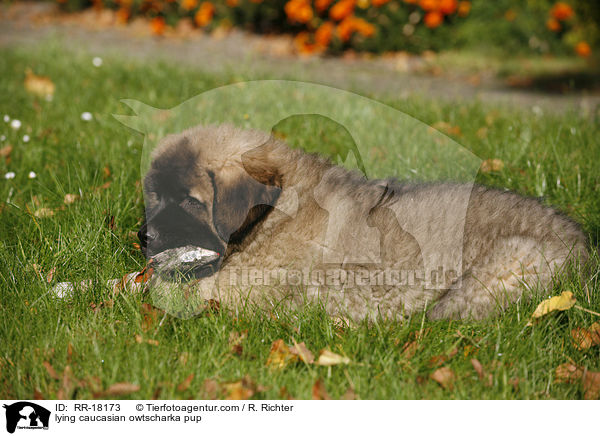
[260,163]
[239,201]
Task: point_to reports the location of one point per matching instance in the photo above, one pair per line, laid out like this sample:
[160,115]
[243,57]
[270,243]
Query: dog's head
[207,187]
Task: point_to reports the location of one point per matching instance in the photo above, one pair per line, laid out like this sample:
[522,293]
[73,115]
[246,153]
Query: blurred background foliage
[379,26]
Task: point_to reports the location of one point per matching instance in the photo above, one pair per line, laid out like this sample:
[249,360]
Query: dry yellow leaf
[300,350]
[492,165]
[329,358]
[444,376]
[561,302]
[44,212]
[590,381]
[40,86]
[280,355]
[584,338]
[319,392]
[70,198]
[481,373]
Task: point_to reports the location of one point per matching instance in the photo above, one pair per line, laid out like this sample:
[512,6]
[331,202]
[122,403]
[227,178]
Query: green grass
[69,155]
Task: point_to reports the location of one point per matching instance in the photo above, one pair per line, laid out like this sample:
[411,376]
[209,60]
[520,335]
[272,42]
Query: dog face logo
[26,415]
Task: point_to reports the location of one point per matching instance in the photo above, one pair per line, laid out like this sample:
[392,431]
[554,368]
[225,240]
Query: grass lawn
[65,349]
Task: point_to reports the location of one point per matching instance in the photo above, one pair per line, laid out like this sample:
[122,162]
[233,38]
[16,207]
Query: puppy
[292,228]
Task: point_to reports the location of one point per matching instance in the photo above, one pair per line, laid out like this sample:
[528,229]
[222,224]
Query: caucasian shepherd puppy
[292,227]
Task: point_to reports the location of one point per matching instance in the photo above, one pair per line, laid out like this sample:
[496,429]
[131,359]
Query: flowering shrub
[383,25]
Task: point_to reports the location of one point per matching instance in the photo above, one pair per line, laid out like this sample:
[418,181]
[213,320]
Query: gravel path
[252,56]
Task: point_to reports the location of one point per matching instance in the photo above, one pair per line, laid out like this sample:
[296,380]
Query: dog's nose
[151,235]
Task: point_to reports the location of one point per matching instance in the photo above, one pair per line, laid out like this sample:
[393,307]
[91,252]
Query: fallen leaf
[70,198]
[319,392]
[106,172]
[40,86]
[284,394]
[445,377]
[150,316]
[235,342]
[442,358]
[329,358]
[591,385]
[409,349]
[43,212]
[50,274]
[51,371]
[185,385]
[144,275]
[492,165]
[561,302]
[584,338]
[240,390]
[118,390]
[481,373]
[349,395]
[67,386]
[5,153]
[37,395]
[302,352]
[280,355]
[590,380]
[210,389]
[567,373]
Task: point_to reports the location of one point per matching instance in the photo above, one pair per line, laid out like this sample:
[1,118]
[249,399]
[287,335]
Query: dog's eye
[193,202]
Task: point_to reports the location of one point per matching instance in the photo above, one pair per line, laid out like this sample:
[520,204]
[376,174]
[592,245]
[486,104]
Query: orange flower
[342,9]
[232,3]
[583,49]
[157,25]
[429,5]
[304,46]
[363,27]
[448,7]
[553,24]
[464,8]
[433,19]
[562,11]
[321,5]
[188,5]
[378,3]
[324,34]
[345,29]
[204,14]
[352,24]
[298,11]
[122,15]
